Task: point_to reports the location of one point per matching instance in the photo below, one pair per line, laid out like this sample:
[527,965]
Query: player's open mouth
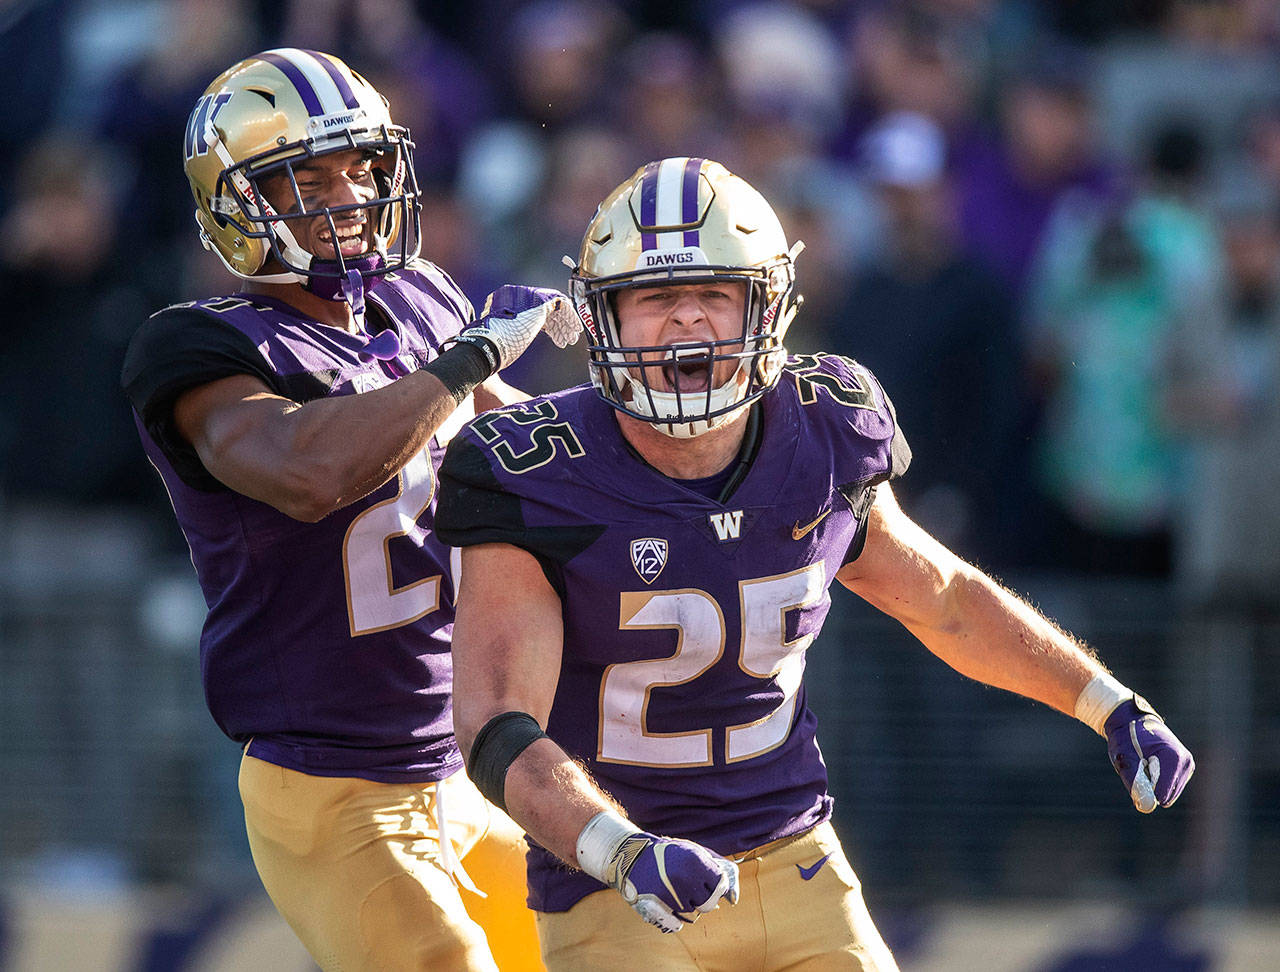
[351,240]
[691,372]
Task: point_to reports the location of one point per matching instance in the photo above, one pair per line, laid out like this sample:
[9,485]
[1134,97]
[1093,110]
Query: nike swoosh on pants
[807,873]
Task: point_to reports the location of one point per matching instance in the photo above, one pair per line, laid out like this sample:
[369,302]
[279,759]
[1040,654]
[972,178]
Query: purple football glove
[1154,765]
[513,316]
[670,882]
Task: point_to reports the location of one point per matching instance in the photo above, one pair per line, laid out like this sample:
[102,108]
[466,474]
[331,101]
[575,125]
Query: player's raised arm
[987,633]
[299,459]
[507,644]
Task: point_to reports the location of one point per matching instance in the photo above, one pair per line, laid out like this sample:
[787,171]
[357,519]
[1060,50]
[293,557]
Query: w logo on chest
[727,526]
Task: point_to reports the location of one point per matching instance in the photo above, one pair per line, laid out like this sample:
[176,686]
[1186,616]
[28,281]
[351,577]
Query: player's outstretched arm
[506,655]
[309,460]
[987,633]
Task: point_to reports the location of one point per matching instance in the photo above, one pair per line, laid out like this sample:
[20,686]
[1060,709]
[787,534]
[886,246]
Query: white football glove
[513,316]
[669,882]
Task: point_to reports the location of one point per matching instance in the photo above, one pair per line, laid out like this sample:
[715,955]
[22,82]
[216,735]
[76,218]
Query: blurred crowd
[1052,229]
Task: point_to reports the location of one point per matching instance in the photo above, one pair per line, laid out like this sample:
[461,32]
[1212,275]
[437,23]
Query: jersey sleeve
[475,506]
[448,289]
[857,414]
[899,451]
[175,350]
[868,442]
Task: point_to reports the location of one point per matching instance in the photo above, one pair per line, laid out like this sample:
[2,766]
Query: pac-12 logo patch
[649,556]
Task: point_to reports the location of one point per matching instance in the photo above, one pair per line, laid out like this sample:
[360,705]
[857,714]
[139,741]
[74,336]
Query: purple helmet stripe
[649,205]
[689,199]
[344,89]
[299,80]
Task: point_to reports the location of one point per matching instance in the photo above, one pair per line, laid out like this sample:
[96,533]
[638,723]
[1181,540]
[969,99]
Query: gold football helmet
[678,221]
[261,117]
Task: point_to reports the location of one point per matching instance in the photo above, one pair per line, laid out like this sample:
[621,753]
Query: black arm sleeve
[178,349]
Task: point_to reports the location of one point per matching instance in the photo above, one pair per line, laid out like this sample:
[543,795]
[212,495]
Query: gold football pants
[356,869]
[800,908]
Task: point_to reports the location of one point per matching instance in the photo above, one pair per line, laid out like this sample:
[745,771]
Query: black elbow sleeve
[497,744]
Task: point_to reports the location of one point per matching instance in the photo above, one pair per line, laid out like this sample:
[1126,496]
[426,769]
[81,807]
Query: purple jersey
[326,644]
[686,619]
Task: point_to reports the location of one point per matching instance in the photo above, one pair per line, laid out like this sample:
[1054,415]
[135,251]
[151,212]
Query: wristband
[599,842]
[487,345]
[461,368]
[1099,699]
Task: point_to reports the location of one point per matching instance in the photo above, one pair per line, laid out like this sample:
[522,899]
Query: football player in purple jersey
[647,559]
[298,424]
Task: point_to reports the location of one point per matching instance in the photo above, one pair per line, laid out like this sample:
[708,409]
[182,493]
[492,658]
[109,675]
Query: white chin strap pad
[662,407]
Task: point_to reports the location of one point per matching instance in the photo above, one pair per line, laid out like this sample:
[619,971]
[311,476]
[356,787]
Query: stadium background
[1051,228]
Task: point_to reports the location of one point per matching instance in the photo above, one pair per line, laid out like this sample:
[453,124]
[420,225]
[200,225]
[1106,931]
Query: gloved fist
[670,882]
[1154,765]
[513,316]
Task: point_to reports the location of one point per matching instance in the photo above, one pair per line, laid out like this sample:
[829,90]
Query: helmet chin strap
[667,405]
[353,294]
[384,346]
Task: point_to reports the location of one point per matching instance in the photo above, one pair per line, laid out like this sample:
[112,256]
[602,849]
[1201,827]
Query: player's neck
[696,458]
[336,313]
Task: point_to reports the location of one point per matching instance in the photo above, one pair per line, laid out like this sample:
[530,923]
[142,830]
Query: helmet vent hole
[268,95]
[745,229]
[602,240]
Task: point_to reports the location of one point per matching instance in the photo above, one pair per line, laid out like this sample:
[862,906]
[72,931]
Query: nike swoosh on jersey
[807,873]
[799,532]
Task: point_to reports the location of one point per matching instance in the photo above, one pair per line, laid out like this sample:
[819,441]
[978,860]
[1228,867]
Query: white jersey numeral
[764,653]
[374,603]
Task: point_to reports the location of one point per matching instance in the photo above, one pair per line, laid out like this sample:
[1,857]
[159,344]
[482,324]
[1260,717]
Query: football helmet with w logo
[259,120]
[685,221]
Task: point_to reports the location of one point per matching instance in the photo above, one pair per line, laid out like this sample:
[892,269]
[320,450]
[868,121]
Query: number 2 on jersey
[764,654]
[374,603]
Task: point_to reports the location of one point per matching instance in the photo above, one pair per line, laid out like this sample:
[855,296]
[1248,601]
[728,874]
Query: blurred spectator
[32,35]
[1230,550]
[1261,146]
[671,105]
[435,90]
[1118,291]
[558,54]
[937,329]
[561,54]
[914,57]
[1213,75]
[781,62]
[1228,553]
[784,96]
[1010,189]
[584,166]
[74,290]
[145,101]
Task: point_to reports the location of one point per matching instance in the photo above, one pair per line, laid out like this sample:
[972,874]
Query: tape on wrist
[599,842]
[1099,699]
